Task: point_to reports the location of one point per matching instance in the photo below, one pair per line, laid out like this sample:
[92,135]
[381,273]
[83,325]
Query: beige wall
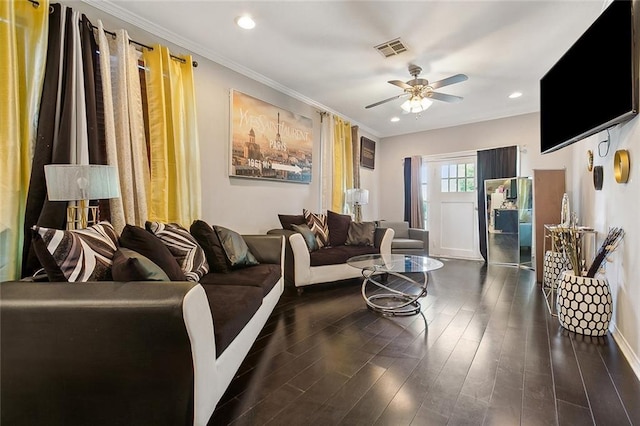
[522,130]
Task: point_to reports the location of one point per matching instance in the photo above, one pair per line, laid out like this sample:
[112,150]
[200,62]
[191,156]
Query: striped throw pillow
[183,247]
[76,256]
[317,223]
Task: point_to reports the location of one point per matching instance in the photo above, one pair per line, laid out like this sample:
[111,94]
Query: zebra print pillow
[183,247]
[318,225]
[77,256]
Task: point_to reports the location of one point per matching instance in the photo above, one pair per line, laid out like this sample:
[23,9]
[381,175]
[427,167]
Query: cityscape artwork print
[268,142]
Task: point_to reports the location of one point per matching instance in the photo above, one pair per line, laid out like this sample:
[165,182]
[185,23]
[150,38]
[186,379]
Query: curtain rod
[36,4]
[112,34]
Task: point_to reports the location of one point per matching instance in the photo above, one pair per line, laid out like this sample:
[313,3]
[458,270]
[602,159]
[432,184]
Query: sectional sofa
[136,352]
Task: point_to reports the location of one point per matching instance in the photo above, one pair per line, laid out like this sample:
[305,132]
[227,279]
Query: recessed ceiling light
[395,119]
[515,95]
[245,22]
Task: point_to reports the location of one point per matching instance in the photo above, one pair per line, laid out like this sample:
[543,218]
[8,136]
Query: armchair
[407,240]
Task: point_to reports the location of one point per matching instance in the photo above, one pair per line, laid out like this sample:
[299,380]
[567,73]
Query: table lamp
[75,182]
[357,197]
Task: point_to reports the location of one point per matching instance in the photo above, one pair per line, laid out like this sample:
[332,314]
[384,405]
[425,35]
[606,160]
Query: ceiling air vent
[391,48]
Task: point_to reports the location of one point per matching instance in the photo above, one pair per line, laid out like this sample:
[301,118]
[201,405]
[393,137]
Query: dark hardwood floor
[484,352]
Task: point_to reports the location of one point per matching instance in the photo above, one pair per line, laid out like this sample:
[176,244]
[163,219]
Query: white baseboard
[628,352]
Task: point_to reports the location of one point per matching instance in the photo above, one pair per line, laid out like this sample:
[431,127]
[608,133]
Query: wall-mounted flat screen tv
[595,84]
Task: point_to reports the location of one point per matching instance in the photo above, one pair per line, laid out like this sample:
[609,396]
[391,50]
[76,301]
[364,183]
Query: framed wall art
[367,153]
[268,142]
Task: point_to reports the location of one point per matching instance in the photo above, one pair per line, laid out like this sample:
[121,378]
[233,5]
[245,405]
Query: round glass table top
[395,263]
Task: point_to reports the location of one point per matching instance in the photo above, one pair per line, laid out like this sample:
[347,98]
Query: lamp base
[357,213]
[81,215]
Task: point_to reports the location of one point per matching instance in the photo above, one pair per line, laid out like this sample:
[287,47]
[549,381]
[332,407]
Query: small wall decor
[367,153]
[621,166]
[598,177]
[268,142]
[589,160]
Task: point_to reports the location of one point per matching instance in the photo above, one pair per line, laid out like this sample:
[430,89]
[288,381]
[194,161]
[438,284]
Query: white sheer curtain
[131,146]
[115,204]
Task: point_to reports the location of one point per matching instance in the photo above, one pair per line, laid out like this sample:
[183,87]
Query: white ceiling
[322,51]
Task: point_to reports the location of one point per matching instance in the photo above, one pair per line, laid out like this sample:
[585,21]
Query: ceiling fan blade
[443,97]
[447,81]
[399,83]
[387,100]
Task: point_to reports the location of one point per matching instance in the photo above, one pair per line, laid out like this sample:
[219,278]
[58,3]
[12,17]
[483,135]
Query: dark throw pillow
[236,250]
[183,247]
[338,225]
[210,243]
[76,256]
[361,234]
[317,222]
[129,265]
[309,237]
[144,242]
[287,220]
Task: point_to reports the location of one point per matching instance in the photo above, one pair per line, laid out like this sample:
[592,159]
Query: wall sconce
[75,182]
[357,197]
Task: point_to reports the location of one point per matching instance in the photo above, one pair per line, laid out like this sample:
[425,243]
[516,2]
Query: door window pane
[471,184]
[471,170]
[458,177]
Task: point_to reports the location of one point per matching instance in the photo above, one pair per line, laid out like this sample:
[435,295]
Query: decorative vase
[584,304]
[555,263]
[565,213]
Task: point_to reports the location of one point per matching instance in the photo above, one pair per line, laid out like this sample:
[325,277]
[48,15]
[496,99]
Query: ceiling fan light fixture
[416,104]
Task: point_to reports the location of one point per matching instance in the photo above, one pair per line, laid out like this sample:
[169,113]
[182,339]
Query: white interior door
[452,213]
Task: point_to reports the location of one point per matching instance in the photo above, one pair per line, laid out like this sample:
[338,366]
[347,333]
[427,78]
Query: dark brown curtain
[492,164]
[52,140]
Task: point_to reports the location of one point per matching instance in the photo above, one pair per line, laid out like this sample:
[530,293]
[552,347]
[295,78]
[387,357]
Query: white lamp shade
[69,182]
[416,104]
[357,196]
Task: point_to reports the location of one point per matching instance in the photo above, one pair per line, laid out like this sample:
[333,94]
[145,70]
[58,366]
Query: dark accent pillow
[76,256]
[183,247]
[210,243]
[338,225]
[287,220]
[237,251]
[361,234]
[129,265]
[309,237]
[317,222]
[144,242]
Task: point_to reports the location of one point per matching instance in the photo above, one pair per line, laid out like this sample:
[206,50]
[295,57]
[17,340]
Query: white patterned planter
[555,263]
[584,304]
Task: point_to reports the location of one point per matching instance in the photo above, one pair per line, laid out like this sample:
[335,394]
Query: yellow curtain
[173,138]
[23,46]
[342,164]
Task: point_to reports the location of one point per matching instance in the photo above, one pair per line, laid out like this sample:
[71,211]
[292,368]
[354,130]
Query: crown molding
[113,9]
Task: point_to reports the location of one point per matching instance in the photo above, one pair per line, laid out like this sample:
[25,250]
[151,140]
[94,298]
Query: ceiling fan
[420,91]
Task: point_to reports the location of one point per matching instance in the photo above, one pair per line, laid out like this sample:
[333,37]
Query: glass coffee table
[399,297]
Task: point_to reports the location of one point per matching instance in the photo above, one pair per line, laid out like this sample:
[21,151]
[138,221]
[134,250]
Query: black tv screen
[595,84]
